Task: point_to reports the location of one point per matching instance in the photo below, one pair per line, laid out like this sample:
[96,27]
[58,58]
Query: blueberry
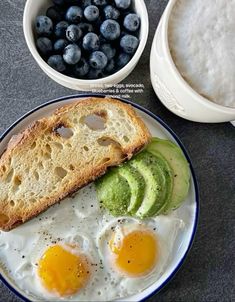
[95,74]
[110,67]
[44,45]
[44,25]
[91,42]
[54,14]
[74,14]
[100,2]
[86,3]
[56,62]
[111,12]
[60,29]
[72,54]
[59,2]
[131,22]
[85,27]
[108,50]
[81,68]
[91,13]
[73,33]
[110,29]
[98,60]
[60,45]
[123,59]
[123,4]
[129,44]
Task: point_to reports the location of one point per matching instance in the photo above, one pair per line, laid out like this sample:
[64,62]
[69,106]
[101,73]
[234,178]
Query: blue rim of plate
[159,120]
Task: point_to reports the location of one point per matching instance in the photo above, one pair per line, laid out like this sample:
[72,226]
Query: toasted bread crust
[27,152]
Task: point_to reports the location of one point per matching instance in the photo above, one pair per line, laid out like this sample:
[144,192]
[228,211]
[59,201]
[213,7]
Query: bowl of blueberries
[83,44]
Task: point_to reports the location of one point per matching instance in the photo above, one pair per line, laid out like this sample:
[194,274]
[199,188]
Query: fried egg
[136,252]
[76,251]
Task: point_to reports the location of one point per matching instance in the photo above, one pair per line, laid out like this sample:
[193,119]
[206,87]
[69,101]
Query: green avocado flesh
[114,192]
[137,186]
[153,182]
[180,167]
[169,177]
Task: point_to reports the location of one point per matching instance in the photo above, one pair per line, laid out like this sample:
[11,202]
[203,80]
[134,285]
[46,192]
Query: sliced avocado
[155,184]
[169,176]
[137,186]
[177,161]
[113,192]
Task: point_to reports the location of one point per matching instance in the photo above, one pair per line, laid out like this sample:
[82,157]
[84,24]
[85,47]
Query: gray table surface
[208,272]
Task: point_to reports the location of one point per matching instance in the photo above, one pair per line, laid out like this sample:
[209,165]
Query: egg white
[81,221]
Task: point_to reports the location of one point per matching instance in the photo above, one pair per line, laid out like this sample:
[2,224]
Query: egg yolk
[136,254]
[63,272]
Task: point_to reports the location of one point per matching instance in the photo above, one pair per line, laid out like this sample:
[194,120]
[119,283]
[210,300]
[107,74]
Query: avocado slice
[169,176]
[177,161]
[137,186]
[113,191]
[155,184]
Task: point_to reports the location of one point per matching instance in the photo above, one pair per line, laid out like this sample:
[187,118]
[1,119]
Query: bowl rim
[33,50]
[160,121]
[165,26]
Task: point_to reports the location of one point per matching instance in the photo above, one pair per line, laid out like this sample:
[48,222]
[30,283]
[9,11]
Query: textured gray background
[207,274]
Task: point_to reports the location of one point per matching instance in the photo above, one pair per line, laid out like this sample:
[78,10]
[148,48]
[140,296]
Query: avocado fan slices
[154,182]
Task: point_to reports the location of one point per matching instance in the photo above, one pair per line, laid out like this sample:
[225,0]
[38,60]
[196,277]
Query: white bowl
[173,91]
[188,212]
[34,8]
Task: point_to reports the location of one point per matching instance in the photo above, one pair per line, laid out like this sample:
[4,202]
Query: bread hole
[106,141]
[121,112]
[4,168]
[48,148]
[17,181]
[69,145]
[105,160]
[71,167]
[47,155]
[33,146]
[95,121]
[31,193]
[75,120]
[58,145]
[64,131]
[32,200]
[12,203]
[85,148]
[49,138]
[126,138]
[36,175]
[40,165]
[3,219]
[61,172]
[9,176]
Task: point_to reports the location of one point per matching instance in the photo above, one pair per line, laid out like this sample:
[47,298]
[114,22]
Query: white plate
[188,212]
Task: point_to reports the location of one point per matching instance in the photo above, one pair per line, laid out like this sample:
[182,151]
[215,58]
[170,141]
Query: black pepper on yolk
[136,254]
[63,272]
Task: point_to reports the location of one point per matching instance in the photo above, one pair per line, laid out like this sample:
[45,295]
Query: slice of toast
[57,155]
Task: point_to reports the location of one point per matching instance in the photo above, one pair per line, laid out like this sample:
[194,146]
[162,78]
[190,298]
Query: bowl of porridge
[192,60]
